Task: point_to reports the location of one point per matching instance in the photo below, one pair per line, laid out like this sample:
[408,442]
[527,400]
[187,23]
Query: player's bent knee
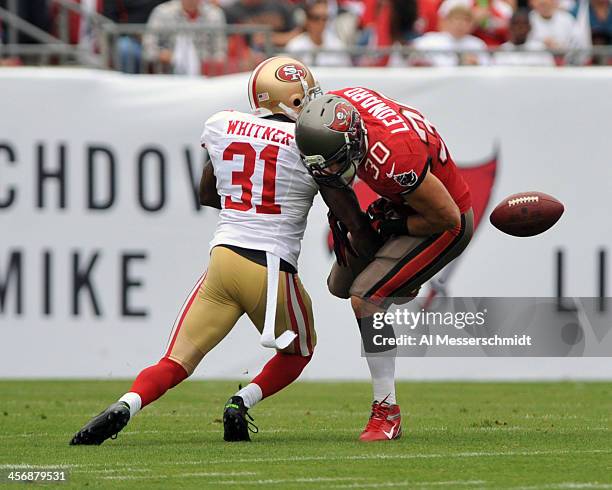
[176,369]
[363,308]
[308,351]
[336,290]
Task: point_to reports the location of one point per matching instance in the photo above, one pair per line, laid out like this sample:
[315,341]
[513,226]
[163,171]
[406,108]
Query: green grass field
[456,435]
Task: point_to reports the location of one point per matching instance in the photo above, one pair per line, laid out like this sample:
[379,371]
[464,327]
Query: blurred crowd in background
[195,36]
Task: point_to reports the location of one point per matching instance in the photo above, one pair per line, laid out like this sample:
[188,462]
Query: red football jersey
[402,146]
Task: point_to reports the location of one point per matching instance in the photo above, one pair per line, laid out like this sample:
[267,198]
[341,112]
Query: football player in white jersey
[264,192]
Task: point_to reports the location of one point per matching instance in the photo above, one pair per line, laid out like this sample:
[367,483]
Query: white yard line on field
[365,457]
[567,485]
[157,476]
[220,473]
[114,470]
[197,474]
[476,454]
[279,481]
[27,434]
[412,484]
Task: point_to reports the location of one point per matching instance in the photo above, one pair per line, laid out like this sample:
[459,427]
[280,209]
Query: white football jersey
[266,192]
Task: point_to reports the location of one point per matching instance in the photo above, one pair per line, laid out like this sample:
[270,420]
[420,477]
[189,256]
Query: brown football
[526,214]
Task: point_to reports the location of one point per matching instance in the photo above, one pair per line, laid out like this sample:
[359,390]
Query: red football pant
[154,381]
[280,371]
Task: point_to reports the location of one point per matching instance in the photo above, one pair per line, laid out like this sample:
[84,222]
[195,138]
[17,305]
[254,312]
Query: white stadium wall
[147,243]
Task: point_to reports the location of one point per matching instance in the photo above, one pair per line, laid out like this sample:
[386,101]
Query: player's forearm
[343,203]
[446,218]
[436,210]
[345,206]
[208,188]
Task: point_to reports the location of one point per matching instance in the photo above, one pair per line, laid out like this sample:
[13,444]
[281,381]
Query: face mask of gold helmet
[282,85]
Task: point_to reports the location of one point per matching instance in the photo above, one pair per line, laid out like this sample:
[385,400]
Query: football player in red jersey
[424,216]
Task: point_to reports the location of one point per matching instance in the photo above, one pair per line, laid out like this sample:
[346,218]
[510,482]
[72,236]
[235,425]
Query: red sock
[154,381]
[280,371]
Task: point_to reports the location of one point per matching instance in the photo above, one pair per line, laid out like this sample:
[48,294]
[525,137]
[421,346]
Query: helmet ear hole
[297,102]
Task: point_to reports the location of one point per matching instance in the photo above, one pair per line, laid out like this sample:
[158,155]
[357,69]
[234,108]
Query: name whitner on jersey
[259,131]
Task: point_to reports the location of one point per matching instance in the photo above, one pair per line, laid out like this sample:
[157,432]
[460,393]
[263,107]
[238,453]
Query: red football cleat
[385,423]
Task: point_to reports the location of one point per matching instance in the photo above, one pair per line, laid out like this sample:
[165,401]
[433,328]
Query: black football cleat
[103,426]
[237,423]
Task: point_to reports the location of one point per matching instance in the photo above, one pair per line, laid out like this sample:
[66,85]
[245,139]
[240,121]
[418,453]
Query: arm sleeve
[407,166]
[206,136]
[410,182]
[213,129]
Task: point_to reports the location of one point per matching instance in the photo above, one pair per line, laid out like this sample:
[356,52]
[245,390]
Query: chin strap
[292,114]
[267,336]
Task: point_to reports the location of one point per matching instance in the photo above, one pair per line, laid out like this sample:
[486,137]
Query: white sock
[251,394]
[382,370]
[134,402]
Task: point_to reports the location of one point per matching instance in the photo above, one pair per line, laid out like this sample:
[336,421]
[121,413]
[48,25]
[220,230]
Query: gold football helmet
[282,85]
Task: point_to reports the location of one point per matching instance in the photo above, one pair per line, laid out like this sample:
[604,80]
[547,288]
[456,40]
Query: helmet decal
[290,72]
[342,117]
